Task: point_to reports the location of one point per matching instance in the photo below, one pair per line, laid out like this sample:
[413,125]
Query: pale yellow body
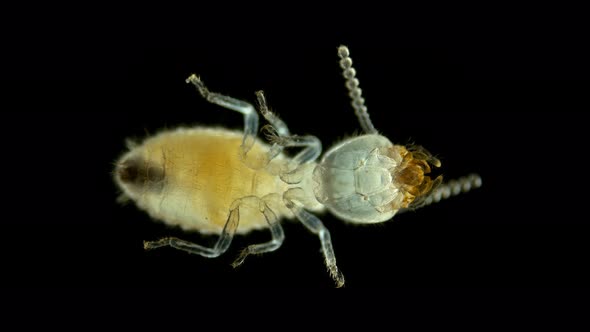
[204,175]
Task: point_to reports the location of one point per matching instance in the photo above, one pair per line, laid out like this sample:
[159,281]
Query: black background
[501,98]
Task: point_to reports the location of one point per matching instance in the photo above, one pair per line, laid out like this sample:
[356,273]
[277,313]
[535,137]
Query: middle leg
[278,134]
[250,115]
[278,236]
[250,123]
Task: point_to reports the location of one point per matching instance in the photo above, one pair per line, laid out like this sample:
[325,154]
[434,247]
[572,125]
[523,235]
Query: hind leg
[220,246]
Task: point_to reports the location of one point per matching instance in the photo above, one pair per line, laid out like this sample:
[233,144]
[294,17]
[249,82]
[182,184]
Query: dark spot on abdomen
[128,171]
[138,173]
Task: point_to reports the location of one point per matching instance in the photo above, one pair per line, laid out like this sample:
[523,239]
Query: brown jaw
[412,173]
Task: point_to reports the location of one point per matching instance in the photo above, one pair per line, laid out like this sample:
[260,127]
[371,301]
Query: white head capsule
[367,179]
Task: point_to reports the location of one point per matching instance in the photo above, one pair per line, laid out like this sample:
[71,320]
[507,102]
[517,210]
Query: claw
[149,245]
[241,258]
[337,276]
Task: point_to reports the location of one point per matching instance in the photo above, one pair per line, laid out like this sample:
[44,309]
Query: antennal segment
[355,93]
[453,188]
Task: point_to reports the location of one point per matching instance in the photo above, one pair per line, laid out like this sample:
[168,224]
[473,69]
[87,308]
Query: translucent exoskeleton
[223,182]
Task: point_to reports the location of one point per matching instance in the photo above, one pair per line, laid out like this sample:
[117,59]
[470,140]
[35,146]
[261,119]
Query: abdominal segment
[201,174]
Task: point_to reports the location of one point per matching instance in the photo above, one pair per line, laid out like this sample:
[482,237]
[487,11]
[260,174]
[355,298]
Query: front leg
[315,225]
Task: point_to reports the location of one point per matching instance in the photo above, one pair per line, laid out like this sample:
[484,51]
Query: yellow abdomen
[203,174]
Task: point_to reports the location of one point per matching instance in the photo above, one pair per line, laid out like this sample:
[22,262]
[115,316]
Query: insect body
[218,181]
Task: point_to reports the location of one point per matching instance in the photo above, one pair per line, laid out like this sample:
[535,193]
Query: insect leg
[312,148]
[355,93]
[220,246]
[250,115]
[279,135]
[315,225]
[278,236]
[278,125]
